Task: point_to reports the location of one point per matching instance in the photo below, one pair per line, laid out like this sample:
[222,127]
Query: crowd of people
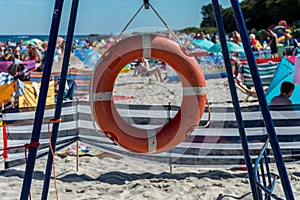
[20,51]
[287,40]
[28,50]
[24,51]
[13,51]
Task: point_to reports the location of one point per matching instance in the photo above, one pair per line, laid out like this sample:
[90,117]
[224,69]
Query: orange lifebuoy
[193,102]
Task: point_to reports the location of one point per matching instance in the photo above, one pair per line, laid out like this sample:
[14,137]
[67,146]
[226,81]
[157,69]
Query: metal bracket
[146,4]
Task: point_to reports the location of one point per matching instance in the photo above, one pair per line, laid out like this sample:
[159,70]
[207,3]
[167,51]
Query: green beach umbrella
[29,42]
[45,45]
[262,34]
[37,41]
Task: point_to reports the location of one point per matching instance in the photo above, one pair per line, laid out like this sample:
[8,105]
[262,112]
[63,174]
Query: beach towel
[6,78]
[29,65]
[118,97]
[6,92]
[30,94]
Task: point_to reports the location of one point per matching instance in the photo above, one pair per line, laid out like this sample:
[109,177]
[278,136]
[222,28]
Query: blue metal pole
[63,78]
[235,100]
[262,101]
[39,114]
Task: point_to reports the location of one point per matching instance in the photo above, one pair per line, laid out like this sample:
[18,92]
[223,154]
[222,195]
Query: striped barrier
[19,125]
[81,77]
[218,145]
[266,73]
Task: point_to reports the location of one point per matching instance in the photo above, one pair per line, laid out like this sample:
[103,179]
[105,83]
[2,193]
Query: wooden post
[77,157]
[2,108]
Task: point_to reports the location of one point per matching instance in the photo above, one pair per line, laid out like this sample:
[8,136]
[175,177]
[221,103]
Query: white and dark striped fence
[217,145]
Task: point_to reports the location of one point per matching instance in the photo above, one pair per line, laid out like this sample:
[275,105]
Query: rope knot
[55,120]
[32,144]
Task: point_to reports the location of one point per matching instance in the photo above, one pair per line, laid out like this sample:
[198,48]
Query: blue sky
[98,16]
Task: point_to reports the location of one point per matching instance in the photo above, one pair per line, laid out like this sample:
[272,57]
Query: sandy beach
[106,176]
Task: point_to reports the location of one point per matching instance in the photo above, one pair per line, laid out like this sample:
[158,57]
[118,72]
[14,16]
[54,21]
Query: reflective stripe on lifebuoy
[193,101]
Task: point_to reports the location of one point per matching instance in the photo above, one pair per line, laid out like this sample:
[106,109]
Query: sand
[111,177]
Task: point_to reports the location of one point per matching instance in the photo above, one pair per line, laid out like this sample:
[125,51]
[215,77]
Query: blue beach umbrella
[204,44]
[232,47]
[279,30]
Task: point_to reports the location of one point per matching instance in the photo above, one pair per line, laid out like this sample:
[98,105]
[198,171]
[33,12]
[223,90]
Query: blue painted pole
[235,100]
[58,108]
[262,101]
[39,114]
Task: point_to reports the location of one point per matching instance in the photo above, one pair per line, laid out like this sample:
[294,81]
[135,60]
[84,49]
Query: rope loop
[55,120]
[32,144]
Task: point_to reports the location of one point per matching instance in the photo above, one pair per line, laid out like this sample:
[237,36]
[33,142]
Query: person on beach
[34,53]
[145,70]
[255,44]
[286,91]
[236,38]
[6,54]
[18,71]
[293,42]
[17,52]
[273,43]
[2,53]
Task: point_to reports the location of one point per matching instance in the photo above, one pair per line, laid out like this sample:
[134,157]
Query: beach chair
[249,92]
[244,80]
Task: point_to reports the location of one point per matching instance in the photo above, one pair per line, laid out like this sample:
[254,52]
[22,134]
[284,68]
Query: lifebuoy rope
[159,17]
[25,146]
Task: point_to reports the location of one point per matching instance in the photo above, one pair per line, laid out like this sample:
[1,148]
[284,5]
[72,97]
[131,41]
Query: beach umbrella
[204,44]
[232,47]
[283,23]
[37,41]
[279,30]
[29,42]
[45,45]
[262,34]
